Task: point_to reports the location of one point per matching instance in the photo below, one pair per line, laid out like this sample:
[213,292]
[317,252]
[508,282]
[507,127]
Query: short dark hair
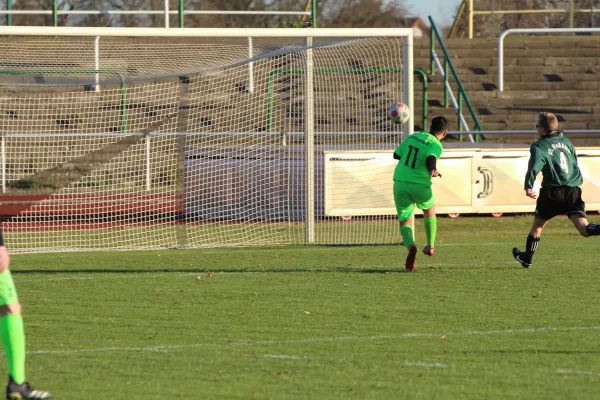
[439,124]
[548,121]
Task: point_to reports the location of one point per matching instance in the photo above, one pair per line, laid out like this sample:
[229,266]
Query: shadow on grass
[211,270]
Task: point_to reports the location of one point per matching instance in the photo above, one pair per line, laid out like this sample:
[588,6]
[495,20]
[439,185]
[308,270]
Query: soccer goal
[143,138]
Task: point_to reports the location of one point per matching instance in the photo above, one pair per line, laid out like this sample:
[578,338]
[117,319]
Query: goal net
[134,138]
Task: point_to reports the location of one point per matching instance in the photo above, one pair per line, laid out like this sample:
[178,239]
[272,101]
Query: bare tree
[361,13]
[498,22]
[45,5]
[331,13]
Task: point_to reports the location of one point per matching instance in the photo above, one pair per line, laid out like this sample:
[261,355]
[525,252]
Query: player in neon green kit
[13,335]
[554,156]
[418,155]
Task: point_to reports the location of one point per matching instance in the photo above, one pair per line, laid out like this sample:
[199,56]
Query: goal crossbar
[406,33]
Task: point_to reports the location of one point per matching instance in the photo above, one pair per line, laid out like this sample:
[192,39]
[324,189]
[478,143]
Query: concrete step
[513,52]
[520,102]
[538,69]
[544,78]
[532,117]
[585,87]
[517,41]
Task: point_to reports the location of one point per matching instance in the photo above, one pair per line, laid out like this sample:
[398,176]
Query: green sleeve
[434,150]
[573,152]
[398,151]
[536,163]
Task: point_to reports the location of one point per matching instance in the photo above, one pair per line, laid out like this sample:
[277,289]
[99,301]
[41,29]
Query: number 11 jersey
[412,153]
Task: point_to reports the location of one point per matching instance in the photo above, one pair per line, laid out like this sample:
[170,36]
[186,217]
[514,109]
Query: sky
[442,11]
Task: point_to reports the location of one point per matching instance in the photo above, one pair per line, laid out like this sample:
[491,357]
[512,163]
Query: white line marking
[165,348]
[118,276]
[567,371]
[283,356]
[277,271]
[425,365]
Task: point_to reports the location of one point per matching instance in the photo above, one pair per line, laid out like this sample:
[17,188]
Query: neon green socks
[407,235]
[430,230]
[13,341]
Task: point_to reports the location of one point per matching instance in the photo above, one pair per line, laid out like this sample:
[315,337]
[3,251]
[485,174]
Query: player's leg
[12,334]
[425,201]
[532,243]
[578,216]
[584,227]
[409,241]
[550,203]
[405,209]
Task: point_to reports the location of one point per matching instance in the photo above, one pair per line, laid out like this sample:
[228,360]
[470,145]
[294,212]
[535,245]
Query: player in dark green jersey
[554,156]
[12,334]
[418,155]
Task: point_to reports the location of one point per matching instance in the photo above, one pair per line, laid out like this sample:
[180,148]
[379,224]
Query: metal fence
[310,11]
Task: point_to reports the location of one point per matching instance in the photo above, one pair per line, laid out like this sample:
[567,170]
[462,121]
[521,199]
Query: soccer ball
[398,113]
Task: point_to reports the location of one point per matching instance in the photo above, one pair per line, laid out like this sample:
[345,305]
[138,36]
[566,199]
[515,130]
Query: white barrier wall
[474,181]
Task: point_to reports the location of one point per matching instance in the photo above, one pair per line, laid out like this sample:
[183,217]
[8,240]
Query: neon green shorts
[8,292]
[406,195]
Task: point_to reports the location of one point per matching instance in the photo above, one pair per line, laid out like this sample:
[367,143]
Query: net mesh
[150,143]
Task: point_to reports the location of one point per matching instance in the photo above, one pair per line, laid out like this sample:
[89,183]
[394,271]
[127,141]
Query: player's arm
[433,153]
[536,163]
[398,152]
[4,259]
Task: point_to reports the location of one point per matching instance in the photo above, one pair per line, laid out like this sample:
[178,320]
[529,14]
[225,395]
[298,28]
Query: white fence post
[250,66]
[97,62]
[408,83]
[166,13]
[148,173]
[3,155]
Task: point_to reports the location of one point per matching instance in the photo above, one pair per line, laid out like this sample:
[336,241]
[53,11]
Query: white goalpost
[144,138]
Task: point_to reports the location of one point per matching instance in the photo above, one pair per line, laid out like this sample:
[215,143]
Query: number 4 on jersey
[563,162]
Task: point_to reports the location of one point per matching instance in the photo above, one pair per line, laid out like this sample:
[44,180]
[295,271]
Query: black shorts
[560,200]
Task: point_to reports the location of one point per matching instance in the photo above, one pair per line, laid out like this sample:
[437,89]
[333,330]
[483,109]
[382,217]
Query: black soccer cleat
[520,256]
[24,391]
[593,229]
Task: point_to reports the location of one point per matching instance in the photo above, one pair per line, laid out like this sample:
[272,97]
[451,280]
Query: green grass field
[321,322]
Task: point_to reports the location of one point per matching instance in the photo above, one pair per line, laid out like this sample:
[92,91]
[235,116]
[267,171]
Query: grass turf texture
[321,322]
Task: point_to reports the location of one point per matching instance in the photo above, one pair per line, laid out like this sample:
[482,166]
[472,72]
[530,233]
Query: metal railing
[571,11]
[530,31]
[310,10]
[529,132]
[448,93]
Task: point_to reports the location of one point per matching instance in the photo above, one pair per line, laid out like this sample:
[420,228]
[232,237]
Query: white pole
[250,66]
[3,155]
[97,62]
[309,148]
[408,91]
[148,174]
[166,13]
[408,83]
[501,61]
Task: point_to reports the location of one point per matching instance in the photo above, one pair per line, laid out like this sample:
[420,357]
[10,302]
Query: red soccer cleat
[428,251]
[410,259]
